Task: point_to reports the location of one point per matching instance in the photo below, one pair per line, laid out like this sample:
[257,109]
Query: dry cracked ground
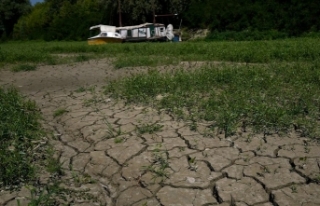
[120,154]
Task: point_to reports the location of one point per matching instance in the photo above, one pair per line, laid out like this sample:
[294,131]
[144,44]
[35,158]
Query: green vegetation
[146,54]
[59,112]
[159,166]
[259,19]
[149,128]
[151,61]
[19,129]
[23,67]
[280,95]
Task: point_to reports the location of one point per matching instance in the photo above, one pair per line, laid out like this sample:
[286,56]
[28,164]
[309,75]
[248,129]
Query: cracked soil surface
[102,151]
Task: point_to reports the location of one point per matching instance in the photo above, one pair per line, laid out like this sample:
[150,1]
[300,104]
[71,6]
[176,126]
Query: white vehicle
[102,34]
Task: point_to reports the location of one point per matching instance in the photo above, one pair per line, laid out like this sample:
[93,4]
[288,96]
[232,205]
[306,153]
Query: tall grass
[268,98]
[19,127]
[302,49]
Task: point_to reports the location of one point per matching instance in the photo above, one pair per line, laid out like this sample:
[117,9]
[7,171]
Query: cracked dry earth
[103,153]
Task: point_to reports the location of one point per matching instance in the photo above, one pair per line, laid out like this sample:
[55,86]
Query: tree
[11,11]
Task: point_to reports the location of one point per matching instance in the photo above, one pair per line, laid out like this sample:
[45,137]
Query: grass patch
[149,128]
[82,58]
[152,61]
[80,90]
[23,67]
[149,54]
[18,129]
[272,98]
[59,112]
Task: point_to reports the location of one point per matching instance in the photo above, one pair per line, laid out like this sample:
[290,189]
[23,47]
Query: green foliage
[61,20]
[59,112]
[270,98]
[149,128]
[146,54]
[246,35]
[70,20]
[10,12]
[18,129]
[289,17]
[134,61]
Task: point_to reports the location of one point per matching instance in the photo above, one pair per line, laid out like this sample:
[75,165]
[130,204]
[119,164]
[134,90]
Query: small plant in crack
[193,125]
[59,112]
[55,194]
[181,149]
[119,140]
[265,169]
[80,89]
[192,164]
[149,128]
[112,132]
[306,149]
[52,164]
[159,166]
[293,188]
[93,101]
[195,145]
[82,178]
[303,159]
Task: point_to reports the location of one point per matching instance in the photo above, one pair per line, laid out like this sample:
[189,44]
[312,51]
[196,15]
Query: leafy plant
[159,165]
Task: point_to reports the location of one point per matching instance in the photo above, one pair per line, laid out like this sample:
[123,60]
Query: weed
[267,99]
[82,178]
[55,194]
[52,164]
[112,132]
[80,89]
[59,112]
[118,140]
[181,149]
[82,58]
[23,67]
[193,125]
[192,164]
[149,128]
[19,128]
[159,165]
[293,188]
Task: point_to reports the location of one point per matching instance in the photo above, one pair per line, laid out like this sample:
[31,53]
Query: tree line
[70,19]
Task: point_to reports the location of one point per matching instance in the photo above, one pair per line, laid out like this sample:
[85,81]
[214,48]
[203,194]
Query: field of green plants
[146,54]
[275,89]
[20,131]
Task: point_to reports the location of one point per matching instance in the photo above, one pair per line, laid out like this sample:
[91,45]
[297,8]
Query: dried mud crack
[102,152]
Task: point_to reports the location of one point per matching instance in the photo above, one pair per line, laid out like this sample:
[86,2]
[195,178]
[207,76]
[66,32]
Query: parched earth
[106,155]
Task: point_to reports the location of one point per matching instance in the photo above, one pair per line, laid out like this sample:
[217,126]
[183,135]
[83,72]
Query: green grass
[270,98]
[18,129]
[23,67]
[59,112]
[148,54]
[135,61]
[149,128]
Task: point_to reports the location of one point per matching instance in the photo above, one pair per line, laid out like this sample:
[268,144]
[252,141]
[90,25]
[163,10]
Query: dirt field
[103,153]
